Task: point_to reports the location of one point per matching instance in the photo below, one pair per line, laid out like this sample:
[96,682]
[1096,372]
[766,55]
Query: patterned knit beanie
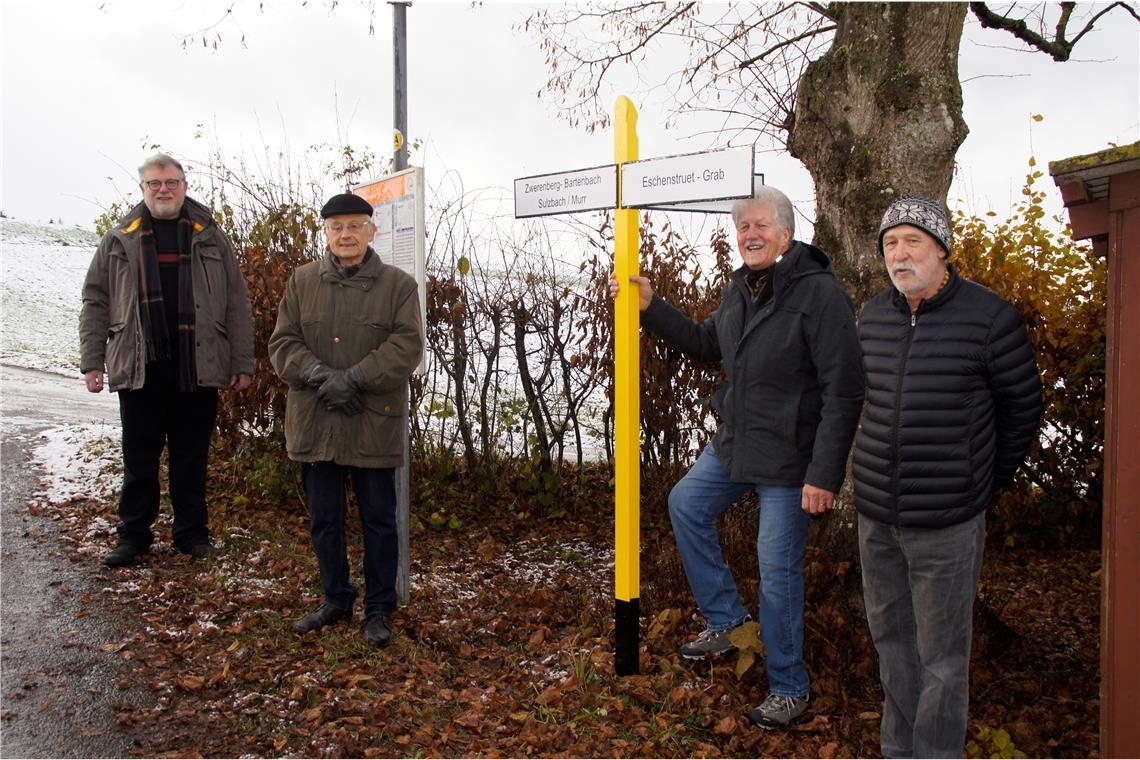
[920,212]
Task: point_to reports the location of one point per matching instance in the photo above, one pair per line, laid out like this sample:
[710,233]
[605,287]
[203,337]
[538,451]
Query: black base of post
[627,624]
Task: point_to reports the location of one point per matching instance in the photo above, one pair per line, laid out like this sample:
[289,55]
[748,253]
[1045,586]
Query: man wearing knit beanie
[953,402]
[917,234]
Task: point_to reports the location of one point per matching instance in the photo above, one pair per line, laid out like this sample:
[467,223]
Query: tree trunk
[879,116]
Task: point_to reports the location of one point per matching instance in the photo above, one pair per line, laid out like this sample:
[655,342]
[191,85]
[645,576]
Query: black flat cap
[344,204]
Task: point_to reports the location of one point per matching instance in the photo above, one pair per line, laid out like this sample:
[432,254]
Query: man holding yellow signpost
[785,331]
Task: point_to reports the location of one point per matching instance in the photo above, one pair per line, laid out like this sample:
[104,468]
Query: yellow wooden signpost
[627,409]
[694,182]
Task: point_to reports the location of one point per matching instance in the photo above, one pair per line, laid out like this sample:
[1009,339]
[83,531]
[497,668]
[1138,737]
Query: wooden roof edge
[1104,163]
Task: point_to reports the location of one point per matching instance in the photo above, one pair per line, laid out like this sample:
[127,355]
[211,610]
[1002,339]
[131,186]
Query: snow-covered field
[42,267]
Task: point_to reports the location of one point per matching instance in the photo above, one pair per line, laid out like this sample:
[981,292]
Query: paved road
[58,688]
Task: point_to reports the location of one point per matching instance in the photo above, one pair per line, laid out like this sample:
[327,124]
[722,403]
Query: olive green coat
[110,329]
[371,319]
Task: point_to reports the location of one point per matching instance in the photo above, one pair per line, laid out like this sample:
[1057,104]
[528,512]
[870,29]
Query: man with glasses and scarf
[348,338]
[166,322]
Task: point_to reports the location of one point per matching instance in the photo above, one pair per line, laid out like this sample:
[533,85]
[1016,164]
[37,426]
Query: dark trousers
[919,586]
[155,416]
[325,484]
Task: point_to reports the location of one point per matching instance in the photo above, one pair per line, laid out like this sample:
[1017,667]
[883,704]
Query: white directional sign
[675,182]
[566,192]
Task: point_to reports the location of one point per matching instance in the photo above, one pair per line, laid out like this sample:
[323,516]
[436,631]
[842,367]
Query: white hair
[161,160]
[777,201]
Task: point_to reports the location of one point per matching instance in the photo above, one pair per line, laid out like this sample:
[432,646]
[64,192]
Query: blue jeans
[919,586]
[375,488]
[694,503]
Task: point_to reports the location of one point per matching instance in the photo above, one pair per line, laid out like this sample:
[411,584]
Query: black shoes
[376,631]
[326,614]
[204,550]
[128,554]
[123,555]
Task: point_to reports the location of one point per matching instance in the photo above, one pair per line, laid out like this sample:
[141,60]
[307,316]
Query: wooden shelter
[1101,192]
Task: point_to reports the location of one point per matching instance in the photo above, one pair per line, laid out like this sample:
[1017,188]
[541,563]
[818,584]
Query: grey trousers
[919,587]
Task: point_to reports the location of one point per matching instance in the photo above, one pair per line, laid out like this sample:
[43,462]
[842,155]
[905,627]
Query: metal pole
[400,77]
[400,162]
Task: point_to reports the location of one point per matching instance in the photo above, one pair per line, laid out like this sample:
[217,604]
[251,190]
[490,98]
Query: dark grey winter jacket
[793,377]
[953,402]
[110,329]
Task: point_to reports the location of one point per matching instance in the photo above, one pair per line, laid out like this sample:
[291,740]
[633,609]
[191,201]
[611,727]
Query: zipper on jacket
[205,272]
[898,411]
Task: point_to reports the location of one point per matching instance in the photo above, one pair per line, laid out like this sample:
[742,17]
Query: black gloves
[338,388]
[319,374]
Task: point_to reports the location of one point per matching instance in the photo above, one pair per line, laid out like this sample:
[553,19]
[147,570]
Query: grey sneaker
[777,711]
[708,644]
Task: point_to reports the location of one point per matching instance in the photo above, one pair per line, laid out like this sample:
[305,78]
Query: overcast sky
[87,83]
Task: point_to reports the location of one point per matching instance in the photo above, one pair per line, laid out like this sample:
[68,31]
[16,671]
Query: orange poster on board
[383,191]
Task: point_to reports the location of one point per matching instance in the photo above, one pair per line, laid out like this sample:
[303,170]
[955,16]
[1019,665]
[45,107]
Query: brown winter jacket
[110,329]
[371,319]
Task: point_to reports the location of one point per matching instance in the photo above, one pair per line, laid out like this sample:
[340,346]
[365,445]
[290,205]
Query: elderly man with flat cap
[347,339]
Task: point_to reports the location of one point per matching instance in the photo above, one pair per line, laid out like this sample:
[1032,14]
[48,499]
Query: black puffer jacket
[953,402]
[793,377]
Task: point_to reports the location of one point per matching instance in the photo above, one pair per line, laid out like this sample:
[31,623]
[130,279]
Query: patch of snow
[11,423]
[76,460]
[533,562]
[42,268]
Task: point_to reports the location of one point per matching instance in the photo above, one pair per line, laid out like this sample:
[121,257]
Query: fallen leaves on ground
[506,649]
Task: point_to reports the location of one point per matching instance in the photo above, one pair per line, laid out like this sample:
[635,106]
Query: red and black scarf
[152,309]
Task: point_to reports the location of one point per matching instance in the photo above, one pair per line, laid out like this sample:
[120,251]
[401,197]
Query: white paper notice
[403,248]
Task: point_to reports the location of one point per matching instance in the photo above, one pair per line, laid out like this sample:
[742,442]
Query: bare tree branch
[1059,47]
[1093,20]
[743,31]
[810,33]
[823,10]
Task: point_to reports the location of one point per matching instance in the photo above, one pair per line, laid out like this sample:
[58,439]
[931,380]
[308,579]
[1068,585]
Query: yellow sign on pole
[627,453]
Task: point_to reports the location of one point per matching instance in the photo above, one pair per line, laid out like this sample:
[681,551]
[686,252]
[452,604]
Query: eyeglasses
[336,228]
[155,184]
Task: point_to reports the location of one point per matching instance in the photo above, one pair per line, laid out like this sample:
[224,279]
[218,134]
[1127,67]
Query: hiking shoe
[709,643]
[123,555]
[778,711]
[376,631]
[326,614]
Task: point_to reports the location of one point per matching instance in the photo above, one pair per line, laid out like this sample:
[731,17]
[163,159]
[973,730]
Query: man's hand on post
[240,382]
[94,380]
[644,290]
[816,501]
